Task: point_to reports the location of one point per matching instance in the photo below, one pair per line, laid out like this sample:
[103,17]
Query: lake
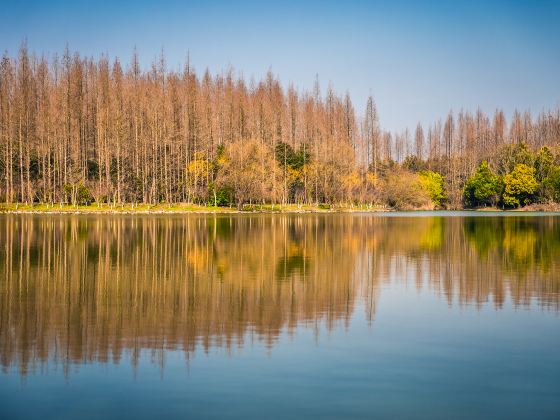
[397,315]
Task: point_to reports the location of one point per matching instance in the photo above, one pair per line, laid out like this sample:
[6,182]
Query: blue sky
[418,59]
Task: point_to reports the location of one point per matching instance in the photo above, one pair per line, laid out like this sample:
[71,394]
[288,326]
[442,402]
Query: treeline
[78,130]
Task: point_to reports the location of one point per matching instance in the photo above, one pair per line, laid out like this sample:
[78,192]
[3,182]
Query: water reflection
[78,289]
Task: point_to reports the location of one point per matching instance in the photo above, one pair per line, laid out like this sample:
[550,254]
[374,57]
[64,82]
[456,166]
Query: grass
[179,208]
[108,208]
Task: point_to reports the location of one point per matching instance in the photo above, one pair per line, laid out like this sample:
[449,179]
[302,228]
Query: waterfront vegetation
[77,132]
[181,208]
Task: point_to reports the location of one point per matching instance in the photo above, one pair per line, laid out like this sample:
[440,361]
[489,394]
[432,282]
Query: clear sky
[417,58]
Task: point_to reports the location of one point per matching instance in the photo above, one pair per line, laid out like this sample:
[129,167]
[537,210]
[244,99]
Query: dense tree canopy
[552,184]
[435,185]
[519,185]
[483,188]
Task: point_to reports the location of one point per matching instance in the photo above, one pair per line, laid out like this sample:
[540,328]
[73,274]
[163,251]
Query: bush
[221,197]
[435,185]
[403,190]
[551,184]
[413,164]
[544,163]
[512,155]
[519,186]
[77,194]
[83,196]
[483,188]
[68,193]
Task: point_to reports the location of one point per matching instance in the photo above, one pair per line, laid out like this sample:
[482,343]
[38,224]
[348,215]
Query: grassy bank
[179,208]
[184,208]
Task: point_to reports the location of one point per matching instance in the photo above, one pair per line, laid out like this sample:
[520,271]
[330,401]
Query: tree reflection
[76,289]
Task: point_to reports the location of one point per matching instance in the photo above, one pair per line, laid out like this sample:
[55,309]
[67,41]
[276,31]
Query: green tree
[294,163]
[285,154]
[220,197]
[551,184]
[511,156]
[544,163]
[435,184]
[83,195]
[520,186]
[483,188]
[413,164]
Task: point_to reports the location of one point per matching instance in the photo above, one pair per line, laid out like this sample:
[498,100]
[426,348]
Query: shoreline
[145,209]
[183,209]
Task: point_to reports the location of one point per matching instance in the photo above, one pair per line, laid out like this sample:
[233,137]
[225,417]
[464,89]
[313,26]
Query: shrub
[403,190]
[83,195]
[519,186]
[413,163]
[435,185]
[221,197]
[544,163]
[483,188]
[551,184]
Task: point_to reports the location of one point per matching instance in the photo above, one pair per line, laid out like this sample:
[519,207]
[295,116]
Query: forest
[78,130]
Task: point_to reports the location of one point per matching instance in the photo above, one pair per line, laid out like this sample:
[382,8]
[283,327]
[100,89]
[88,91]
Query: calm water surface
[280,316]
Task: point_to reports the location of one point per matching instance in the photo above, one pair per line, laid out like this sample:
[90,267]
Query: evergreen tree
[483,188]
[519,186]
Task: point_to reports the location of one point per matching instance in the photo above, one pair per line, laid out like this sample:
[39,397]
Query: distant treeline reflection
[79,289]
